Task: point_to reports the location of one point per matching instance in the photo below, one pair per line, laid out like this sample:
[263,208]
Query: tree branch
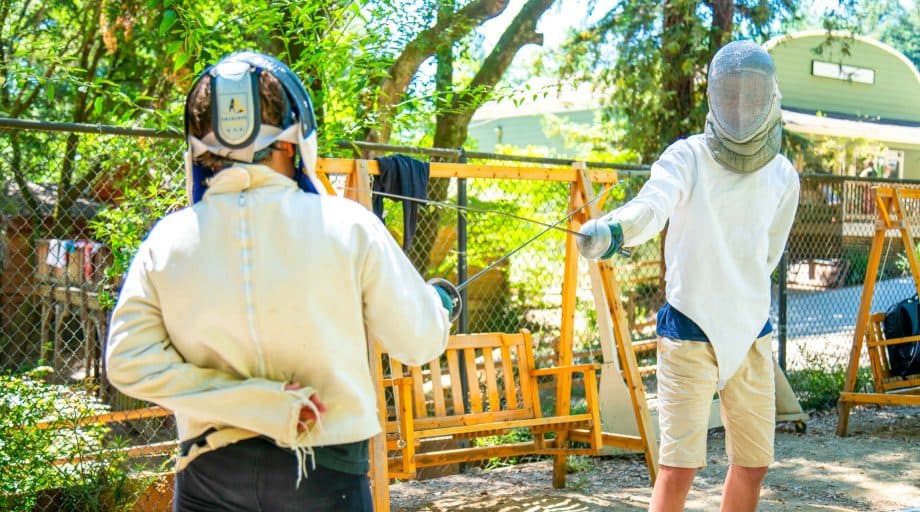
[424,45]
[521,32]
[19,176]
[723,12]
[24,103]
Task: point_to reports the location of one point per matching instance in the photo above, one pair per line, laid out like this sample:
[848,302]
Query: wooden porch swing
[499,383]
[890,389]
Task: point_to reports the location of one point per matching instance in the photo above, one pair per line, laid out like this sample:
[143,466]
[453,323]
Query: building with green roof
[853,89]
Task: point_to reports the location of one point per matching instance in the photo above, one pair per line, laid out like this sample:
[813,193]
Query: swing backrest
[492,368]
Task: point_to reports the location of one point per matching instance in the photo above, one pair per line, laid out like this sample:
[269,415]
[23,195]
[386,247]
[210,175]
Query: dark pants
[257,475]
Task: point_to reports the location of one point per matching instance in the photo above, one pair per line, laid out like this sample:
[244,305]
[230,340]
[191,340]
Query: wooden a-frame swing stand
[889,389]
[566,426]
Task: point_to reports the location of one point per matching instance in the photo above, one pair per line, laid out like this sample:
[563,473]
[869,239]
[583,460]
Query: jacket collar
[242,177]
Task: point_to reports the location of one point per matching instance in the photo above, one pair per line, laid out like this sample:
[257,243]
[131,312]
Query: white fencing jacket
[258,285]
[726,235]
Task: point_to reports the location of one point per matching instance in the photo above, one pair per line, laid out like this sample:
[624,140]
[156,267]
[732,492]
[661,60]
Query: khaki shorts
[687,380]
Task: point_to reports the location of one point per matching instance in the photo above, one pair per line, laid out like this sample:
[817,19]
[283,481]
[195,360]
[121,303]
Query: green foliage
[579,464]
[818,387]
[123,227]
[512,436]
[829,155]
[339,49]
[82,61]
[817,384]
[596,142]
[889,267]
[858,257]
[36,461]
[902,31]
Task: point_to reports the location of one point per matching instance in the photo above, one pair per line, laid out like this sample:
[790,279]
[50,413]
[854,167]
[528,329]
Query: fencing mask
[237,132]
[744,124]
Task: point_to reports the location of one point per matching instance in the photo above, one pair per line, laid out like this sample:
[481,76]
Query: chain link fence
[826,261]
[62,251]
[75,203]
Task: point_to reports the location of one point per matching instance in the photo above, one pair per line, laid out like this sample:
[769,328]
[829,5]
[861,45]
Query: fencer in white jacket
[260,285]
[240,308]
[730,199]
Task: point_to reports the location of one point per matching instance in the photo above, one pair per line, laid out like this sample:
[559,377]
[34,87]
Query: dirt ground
[876,468]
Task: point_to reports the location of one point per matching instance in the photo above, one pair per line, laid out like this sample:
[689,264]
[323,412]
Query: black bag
[903,320]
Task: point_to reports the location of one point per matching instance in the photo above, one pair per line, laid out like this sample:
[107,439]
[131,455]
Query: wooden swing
[890,389]
[499,403]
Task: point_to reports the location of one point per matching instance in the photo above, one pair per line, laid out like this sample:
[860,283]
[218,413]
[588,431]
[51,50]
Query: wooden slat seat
[495,374]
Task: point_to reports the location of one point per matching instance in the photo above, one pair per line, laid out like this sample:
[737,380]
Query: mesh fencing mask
[744,124]
[237,132]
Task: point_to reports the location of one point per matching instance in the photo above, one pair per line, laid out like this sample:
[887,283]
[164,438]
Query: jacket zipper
[246,254]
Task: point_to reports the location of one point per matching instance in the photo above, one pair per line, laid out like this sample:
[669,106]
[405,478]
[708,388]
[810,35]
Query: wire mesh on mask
[741,89]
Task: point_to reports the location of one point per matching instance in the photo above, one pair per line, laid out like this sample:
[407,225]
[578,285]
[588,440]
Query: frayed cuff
[302,444]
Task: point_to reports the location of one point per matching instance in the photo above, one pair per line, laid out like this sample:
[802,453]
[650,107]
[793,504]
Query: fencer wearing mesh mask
[729,198]
[247,314]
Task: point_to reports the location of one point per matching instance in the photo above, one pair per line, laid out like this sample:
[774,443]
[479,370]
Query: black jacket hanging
[405,176]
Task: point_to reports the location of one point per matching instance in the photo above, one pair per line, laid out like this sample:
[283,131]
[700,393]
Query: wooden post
[358,184]
[862,322]
[626,355]
[358,188]
[566,333]
[906,237]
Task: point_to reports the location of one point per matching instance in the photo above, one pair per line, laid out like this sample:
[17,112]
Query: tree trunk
[430,218]
[91,52]
[62,220]
[676,80]
[445,32]
[723,12]
[452,125]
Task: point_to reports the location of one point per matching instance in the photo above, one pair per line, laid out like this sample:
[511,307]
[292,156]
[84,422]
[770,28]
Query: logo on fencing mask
[236,91]
[744,124]
[238,133]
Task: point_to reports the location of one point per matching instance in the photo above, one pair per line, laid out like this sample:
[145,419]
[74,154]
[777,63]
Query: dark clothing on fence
[257,475]
[407,177]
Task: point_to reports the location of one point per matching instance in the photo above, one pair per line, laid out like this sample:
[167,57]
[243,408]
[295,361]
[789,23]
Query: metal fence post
[781,306]
[462,271]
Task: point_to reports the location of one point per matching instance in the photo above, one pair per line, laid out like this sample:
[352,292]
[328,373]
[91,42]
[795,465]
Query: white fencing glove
[604,239]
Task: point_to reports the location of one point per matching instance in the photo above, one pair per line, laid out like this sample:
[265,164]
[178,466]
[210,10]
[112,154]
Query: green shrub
[858,257]
[38,462]
[819,387]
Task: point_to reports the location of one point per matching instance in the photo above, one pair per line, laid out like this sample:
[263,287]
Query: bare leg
[742,488]
[671,489]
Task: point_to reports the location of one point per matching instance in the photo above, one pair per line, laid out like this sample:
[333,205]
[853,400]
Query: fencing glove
[603,239]
[450,296]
